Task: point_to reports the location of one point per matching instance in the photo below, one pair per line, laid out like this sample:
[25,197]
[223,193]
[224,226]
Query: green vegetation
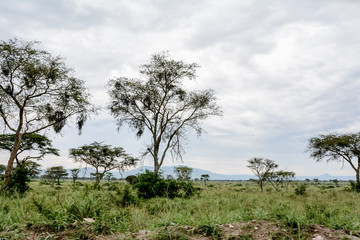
[160,105]
[116,208]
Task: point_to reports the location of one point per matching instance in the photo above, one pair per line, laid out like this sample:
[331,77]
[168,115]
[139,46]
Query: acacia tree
[205,178]
[337,147]
[55,173]
[33,143]
[32,167]
[159,104]
[280,178]
[262,168]
[37,91]
[75,174]
[102,157]
[183,173]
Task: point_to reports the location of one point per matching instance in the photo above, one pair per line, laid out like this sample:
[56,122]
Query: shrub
[300,189]
[19,180]
[130,178]
[150,185]
[354,186]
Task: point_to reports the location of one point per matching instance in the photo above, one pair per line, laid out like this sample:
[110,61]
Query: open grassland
[58,212]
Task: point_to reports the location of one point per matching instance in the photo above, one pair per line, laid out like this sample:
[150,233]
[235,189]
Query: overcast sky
[283,71]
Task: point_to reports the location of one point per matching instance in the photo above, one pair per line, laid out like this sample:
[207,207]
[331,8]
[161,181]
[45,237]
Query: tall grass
[53,210]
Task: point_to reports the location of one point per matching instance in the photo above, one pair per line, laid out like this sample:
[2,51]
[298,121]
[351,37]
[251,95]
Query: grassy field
[58,212]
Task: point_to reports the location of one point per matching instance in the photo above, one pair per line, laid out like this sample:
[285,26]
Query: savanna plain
[217,210]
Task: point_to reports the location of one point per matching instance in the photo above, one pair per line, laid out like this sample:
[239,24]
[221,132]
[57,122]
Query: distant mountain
[197,172]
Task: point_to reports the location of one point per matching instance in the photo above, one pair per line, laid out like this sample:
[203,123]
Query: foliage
[280,178]
[354,186]
[37,91]
[32,167]
[130,179]
[150,185]
[75,174]
[109,176]
[55,173]
[19,180]
[29,143]
[59,213]
[300,189]
[262,168]
[205,178]
[183,173]
[337,147]
[2,169]
[102,157]
[159,104]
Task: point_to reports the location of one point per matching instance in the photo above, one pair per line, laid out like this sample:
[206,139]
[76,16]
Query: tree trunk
[10,164]
[97,176]
[156,167]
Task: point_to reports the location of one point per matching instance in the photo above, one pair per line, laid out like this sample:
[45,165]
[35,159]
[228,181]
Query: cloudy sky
[283,71]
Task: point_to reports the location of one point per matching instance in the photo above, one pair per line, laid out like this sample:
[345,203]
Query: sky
[283,71]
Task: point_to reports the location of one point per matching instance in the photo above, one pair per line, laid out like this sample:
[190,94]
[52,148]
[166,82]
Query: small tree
[205,178]
[183,173]
[32,167]
[280,178]
[108,176]
[103,158]
[56,173]
[335,181]
[262,168]
[37,91]
[75,174]
[160,105]
[337,147]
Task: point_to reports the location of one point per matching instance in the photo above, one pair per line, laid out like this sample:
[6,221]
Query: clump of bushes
[354,186]
[300,189]
[19,180]
[150,185]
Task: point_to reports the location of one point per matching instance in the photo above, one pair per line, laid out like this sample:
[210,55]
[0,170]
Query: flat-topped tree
[159,104]
[263,168]
[34,143]
[37,91]
[337,147]
[103,158]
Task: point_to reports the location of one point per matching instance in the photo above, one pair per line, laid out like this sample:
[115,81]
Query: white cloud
[283,70]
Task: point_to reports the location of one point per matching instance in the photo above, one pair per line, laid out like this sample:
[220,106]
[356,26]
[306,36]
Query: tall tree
[159,104]
[262,168]
[36,144]
[37,91]
[102,157]
[337,147]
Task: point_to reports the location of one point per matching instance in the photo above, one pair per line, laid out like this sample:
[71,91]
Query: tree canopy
[262,168]
[36,145]
[37,91]
[102,157]
[183,173]
[159,104]
[337,147]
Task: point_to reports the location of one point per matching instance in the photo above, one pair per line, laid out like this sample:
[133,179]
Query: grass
[53,211]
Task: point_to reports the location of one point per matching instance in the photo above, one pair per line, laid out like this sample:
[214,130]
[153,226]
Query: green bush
[354,186]
[150,185]
[19,180]
[300,189]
